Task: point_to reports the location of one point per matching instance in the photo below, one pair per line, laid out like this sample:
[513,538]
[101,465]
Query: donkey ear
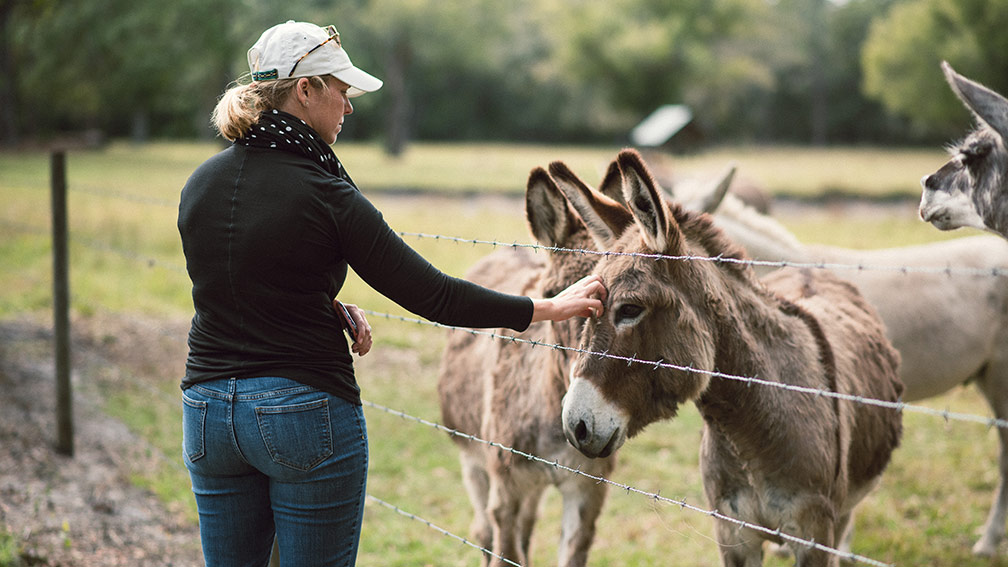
[604,217]
[987,105]
[648,208]
[612,183]
[550,218]
[715,196]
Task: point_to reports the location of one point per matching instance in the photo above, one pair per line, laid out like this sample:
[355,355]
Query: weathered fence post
[61,305]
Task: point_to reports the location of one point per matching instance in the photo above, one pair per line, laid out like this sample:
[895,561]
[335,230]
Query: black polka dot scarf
[279,130]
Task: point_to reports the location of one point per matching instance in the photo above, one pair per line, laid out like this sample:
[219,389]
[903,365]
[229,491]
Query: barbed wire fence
[948,416]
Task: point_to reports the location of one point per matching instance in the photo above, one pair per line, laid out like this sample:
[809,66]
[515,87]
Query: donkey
[794,462]
[971,189]
[948,330]
[511,393]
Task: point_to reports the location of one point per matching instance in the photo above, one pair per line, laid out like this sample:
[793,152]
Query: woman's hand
[584,298]
[362,338]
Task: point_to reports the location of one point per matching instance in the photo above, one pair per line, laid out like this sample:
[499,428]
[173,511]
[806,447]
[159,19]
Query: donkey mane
[702,230]
[826,356]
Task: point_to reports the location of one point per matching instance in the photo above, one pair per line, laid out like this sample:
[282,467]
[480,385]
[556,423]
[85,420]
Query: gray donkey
[971,189]
[786,461]
[511,393]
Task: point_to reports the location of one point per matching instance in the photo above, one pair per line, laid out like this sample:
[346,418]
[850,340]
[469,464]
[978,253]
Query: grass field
[126,259]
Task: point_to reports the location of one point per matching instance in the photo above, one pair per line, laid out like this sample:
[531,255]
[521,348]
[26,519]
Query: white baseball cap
[301,49]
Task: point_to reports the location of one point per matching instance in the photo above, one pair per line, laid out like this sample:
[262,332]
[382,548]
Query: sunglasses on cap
[333,36]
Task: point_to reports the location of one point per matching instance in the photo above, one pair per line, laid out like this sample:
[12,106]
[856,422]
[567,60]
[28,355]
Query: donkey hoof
[985,548]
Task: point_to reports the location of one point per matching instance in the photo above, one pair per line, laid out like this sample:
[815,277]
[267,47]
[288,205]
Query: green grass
[126,259]
[10,549]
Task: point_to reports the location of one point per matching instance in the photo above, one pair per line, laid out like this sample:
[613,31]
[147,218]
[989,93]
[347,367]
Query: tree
[852,115]
[903,51]
[9,125]
[645,52]
[119,65]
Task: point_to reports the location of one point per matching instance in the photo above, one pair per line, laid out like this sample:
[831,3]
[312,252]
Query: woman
[274,435]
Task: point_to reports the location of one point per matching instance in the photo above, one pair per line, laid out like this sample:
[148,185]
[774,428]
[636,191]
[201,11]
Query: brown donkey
[511,393]
[787,461]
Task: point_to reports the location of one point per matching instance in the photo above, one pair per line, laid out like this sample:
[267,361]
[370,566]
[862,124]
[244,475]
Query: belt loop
[232,387]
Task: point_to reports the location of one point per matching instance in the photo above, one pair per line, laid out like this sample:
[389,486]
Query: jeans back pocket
[193,426]
[298,436]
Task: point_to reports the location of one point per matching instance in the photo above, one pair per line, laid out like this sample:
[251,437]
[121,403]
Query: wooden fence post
[61,305]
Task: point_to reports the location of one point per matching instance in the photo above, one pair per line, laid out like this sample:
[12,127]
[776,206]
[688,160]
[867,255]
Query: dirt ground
[83,510]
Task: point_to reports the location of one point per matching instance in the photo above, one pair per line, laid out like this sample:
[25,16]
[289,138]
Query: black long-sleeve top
[268,235]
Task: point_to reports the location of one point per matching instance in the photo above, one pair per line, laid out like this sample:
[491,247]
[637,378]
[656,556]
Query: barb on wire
[438,529]
[97,245]
[748,380]
[942,270]
[681,503]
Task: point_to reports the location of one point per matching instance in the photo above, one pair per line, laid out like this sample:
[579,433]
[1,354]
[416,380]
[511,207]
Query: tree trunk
[819,105]
[9,126]
[140,126]
[397,127]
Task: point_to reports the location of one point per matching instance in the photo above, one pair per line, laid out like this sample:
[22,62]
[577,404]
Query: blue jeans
[273,457]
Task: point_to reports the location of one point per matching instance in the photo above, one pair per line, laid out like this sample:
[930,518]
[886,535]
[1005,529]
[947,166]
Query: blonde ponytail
[240,106]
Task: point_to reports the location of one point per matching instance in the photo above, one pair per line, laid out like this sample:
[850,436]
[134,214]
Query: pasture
[126,261]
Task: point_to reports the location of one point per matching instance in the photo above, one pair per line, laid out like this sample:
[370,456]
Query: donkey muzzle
[592,424]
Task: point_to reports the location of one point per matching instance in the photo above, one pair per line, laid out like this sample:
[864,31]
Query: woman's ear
[302,90]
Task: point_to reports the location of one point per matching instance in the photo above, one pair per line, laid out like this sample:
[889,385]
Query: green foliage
[902,54]
[530,70]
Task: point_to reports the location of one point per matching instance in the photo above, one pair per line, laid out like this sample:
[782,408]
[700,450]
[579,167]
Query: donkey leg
[477,484]
[847,539]
[994,387]
[994,528]
[503,507]
[817,522]
[528,513]
[582,503]
[739,547]
[845,529]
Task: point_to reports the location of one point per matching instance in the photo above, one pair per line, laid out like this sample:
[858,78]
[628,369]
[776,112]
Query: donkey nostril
[581,431]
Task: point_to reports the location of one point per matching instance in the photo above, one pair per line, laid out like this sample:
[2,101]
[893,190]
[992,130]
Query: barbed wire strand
[123,196]
[947,415]
[941,270]
[948,270]
[777,533]
[440,530]
[900,406]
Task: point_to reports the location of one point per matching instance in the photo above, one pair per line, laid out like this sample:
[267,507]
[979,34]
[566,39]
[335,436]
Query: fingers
[362,344]
[586,296]
[362,338]
[362,341]
[592,287]
[595,290]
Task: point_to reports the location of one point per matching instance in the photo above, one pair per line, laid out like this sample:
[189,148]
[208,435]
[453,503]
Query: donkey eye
[628,312]
[972,154]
